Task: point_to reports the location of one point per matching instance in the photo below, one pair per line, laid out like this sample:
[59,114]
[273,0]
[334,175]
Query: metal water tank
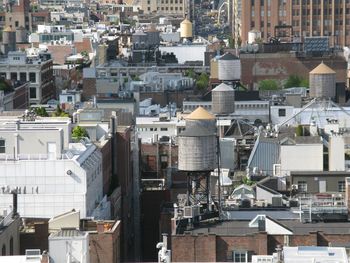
[139,37]
[322,82]
[223,99]
[186,29]
[253,35]
[201,118]
[197,144]
[153,36]
[197,149]
[8,36]
[9,39]
[21,35]
[229,67]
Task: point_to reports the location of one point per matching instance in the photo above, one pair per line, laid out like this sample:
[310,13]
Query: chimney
[14,203]
[45,257]
[279,251]
[100,227]
[336,153]
[165,240]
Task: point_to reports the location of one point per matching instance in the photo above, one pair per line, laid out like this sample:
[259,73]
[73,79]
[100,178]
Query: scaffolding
[322,207]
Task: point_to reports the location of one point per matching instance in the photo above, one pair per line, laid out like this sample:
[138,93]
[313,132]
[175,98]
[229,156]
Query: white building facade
[50,174]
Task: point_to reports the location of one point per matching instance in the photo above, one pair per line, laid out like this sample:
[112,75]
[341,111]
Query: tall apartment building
[307,17]
[174,7]
[236,14]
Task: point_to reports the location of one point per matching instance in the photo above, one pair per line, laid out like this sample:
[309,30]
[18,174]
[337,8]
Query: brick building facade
[279,66]
[307,18]
[215,247]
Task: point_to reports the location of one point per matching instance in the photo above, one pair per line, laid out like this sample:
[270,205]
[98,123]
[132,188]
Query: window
[32,77]
[2,146]
[341,186]
[11,246]
[32,93]
[23,76]
[302,186]
[241,256]
[3,250]
[281,112]
[69,98]
[163,129]
[13,76]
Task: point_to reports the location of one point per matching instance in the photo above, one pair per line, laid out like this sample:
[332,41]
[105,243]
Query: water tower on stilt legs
[198,158]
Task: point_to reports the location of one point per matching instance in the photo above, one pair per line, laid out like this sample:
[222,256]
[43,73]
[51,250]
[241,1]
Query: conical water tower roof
[186,21]
[200,114]
[223,87]
[322,69]
[8,29]
[228,56]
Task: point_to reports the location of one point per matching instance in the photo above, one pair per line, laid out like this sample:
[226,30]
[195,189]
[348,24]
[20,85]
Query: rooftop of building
[241,227]
[157,120]
[68,232]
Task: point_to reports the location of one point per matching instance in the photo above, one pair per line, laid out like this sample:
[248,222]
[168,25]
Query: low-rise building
[150,129]
[51,174]
[34,68]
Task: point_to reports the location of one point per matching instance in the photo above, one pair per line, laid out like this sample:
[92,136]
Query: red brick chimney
[45,257]
[100,227]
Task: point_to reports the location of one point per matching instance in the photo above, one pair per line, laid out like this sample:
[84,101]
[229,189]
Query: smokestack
[279,251]
[165,240]
[45,257]
[14,202]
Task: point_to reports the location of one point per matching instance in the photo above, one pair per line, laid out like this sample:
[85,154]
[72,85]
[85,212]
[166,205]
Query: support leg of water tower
[189,188]
[208,193]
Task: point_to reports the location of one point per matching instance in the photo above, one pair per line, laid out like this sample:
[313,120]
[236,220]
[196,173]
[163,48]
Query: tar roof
[68,232]
[240,227]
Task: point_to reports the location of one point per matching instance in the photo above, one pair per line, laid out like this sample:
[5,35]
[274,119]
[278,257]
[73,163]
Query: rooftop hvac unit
[191,211]
[260,203]
[277,201]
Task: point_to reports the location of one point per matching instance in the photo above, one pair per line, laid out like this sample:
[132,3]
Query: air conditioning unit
[191,211]
[188,212]
[294,187]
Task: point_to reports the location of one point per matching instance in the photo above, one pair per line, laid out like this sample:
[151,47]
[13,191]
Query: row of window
[302,186]
[167,2]
[22,76]
[152,129]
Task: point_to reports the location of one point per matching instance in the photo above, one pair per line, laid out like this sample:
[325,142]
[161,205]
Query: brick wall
[219,248]
[201,248]
[257,67]
[89,88]
[106,151]
[35,240]
[20,97]
[105,246]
